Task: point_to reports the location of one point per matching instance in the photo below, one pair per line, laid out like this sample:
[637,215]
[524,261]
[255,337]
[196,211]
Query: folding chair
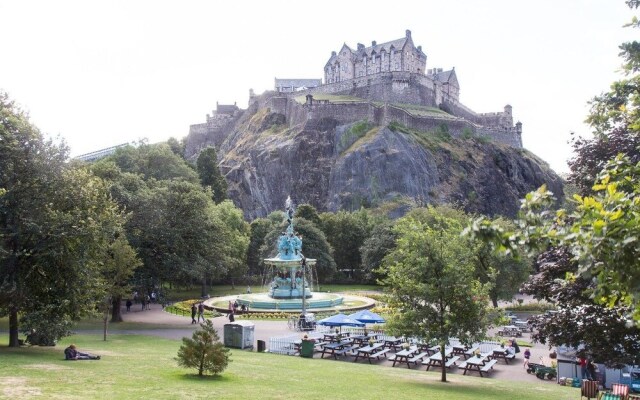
[589,389]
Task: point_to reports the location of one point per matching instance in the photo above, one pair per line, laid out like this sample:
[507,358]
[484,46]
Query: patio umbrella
[339,320]
[367,317]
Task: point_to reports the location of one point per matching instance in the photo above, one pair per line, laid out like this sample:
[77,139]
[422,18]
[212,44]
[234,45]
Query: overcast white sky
[101,73]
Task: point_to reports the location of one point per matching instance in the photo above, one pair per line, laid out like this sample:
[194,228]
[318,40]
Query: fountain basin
[262,301]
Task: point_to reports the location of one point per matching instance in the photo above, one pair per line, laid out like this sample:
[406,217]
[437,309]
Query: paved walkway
[178,327]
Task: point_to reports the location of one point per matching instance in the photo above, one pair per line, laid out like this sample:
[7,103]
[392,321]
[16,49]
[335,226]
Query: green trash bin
[306,348]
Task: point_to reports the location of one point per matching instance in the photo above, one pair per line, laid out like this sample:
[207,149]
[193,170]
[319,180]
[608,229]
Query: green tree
[176,146]
[207,166]
[505,272]
[233,237]
[601,333]
[375,248]
[346,233]
[308,212]
[56,222]
[432,283]
[204,351]
[119,265]
[260,227]
[155,161]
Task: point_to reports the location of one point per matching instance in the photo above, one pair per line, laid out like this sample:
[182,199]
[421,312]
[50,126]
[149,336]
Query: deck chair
[589,389]
[620,389]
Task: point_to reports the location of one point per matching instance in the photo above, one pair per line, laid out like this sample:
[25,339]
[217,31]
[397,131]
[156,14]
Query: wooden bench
[344,351]
[451,361]
[380,353]
[418,357]
[463,365]
[488,366]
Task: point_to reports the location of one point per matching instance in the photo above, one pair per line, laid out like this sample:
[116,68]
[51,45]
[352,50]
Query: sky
[101,73]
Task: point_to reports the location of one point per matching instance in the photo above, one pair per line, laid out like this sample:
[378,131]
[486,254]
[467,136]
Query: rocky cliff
[334,166]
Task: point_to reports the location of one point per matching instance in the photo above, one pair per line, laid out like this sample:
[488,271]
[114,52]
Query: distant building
[294,85]
[98,154]
[397,55]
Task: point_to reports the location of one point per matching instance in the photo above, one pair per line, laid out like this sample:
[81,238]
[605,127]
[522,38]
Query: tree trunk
[204,286]
[116,314]
[13,328]
[105,320]
[494,301]
[443,378]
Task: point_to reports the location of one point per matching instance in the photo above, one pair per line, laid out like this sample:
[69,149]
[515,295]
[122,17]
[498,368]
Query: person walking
[527,356]
[201,312]
[194,310]
[129,304]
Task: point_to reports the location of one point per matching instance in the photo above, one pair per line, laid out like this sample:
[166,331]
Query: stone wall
[344,113]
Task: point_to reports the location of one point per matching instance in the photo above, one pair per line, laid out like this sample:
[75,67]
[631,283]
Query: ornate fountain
[290,287]
[290,281]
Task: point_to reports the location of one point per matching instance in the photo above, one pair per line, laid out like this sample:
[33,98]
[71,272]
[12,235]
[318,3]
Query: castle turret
[408,33]
[373,43]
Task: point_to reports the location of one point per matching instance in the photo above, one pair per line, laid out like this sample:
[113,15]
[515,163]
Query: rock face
[335,166]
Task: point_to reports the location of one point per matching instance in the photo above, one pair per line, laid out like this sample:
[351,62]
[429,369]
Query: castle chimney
[360,46]
[408,32]
[373,43]
[420,48]
[333,53]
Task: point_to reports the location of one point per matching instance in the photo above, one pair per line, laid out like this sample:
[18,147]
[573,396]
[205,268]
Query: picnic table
[368,352]
[390,342]
[335,337]
[502,353]
[522,325]
[408,356]
[478,364]
[435,360]
[335,349]
[471,351]
[362,339]
[510,330]
[462,350]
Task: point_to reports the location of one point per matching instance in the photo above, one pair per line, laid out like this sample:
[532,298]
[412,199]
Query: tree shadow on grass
[207,378]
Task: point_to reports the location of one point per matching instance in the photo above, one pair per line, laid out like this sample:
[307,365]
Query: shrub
[204,351]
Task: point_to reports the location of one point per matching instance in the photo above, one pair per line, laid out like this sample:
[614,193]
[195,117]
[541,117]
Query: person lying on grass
[71,353]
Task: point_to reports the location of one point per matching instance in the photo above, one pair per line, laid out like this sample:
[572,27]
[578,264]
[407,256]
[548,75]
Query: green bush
[204,351]
[533,307]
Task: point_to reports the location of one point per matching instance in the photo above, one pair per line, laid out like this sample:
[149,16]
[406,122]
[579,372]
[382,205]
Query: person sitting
[72,353]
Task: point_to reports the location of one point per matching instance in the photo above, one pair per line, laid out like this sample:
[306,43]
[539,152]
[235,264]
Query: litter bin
[261,346]
[306,348]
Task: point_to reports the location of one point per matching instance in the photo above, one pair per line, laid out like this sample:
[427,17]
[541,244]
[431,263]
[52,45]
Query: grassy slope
[135,367]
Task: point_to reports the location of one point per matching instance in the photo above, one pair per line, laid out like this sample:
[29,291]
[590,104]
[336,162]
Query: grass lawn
[137,367]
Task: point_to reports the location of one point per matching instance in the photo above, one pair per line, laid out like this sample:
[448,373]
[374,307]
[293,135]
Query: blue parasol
[340,320]
[367,317]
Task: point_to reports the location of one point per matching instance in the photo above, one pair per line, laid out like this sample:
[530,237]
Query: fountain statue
[290,281]
[290,287]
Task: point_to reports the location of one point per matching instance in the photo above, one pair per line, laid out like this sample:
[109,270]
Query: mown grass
[137,367]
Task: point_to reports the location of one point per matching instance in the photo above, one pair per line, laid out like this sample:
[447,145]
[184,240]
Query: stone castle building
[397,55]
[392,74]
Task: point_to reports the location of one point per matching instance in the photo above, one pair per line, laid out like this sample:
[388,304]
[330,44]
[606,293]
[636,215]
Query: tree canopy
[432,282]
[57,223]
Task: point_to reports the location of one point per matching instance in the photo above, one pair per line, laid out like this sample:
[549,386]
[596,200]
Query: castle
[383,77]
